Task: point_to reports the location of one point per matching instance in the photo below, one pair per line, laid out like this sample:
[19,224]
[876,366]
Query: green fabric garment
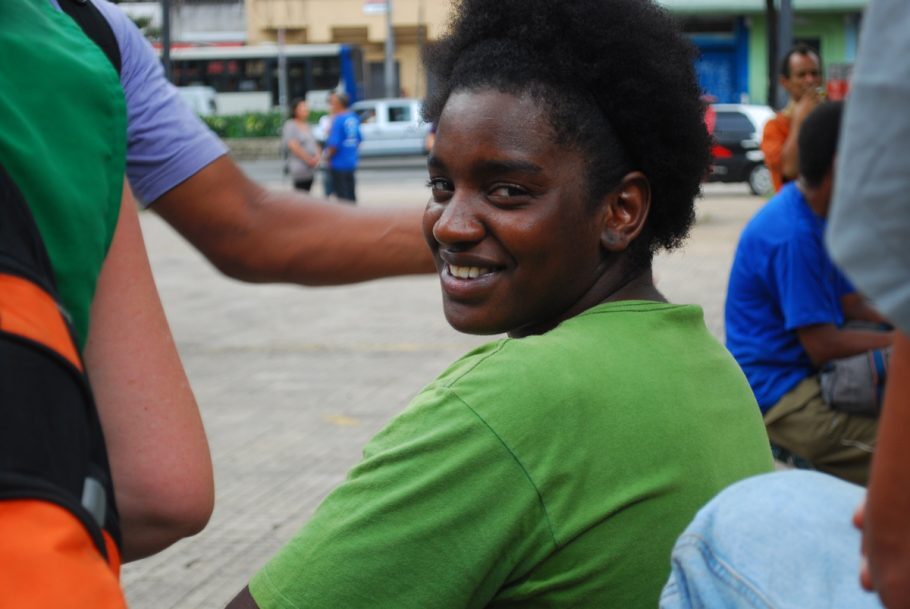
[65,151]
[549,471]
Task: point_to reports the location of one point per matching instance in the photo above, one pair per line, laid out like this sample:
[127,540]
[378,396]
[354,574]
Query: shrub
[250,124]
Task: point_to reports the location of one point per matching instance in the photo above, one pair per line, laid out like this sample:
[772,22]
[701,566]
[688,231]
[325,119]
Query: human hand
[885,564]
[812,97]
[859,521]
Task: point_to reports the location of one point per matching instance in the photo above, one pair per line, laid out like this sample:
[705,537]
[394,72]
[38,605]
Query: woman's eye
[508,191]
[439,185]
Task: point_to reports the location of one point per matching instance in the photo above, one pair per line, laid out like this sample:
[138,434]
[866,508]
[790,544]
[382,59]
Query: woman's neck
[638,287]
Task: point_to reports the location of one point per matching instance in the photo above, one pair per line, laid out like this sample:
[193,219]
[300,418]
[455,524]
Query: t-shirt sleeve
[438,514]
[166,142]
[807,296]
[843,285]
[336,134]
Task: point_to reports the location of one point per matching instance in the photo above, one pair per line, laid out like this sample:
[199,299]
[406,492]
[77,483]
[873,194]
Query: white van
[200,98]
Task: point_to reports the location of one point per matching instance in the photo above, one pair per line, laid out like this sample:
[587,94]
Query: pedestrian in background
[341,147]
[801,78]
[300,146]
[791,318]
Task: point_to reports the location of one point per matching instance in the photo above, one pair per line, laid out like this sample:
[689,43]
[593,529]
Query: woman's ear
[626,211]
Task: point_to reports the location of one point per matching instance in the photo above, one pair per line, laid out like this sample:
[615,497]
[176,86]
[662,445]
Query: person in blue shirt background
[341,147]
[785,311]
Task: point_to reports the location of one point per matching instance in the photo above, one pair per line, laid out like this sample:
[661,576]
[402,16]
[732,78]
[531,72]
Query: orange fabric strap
[48,560]
[28,311]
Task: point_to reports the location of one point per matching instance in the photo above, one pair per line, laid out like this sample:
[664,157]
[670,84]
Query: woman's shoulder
[598,334]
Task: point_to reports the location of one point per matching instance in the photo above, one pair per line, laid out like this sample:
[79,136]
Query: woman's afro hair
[616,79]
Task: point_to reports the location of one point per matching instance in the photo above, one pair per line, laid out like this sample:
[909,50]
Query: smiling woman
[518,238]
[557,466]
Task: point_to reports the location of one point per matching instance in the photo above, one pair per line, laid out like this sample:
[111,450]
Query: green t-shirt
[66,152]
[549,471]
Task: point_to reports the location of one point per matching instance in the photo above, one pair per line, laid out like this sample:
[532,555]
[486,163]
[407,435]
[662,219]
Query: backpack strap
[51,443]
[95,26]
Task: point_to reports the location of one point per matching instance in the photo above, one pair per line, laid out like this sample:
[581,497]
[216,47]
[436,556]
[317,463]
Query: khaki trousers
[833,442]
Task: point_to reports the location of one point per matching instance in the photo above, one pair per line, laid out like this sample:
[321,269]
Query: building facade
[360,22]
[732,35]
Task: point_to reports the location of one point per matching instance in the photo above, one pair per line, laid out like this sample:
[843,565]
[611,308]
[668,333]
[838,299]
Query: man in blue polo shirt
[341,147]
[785,311]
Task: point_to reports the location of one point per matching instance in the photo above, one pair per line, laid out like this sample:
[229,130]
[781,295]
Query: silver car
[390,127]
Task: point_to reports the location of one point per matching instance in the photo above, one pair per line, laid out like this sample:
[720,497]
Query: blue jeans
[777,541]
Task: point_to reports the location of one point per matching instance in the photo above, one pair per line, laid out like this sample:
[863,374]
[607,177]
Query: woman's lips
[467,282]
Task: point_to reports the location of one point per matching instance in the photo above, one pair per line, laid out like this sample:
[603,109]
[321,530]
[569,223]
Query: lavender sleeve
[166,142]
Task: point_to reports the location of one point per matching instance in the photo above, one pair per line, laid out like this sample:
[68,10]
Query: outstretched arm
[825,342]
[256,235]
[156,443]
[297,150]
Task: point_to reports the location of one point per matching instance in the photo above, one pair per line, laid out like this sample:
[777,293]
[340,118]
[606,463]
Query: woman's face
[301,111]
[512,226]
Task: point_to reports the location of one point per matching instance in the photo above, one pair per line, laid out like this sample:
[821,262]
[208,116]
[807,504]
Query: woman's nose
[458,222]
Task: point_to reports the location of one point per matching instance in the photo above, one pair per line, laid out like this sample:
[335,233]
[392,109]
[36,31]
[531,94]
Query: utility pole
[784,38]
[282,74]
[166,37]
[771,43]
[421,29]
[390,88]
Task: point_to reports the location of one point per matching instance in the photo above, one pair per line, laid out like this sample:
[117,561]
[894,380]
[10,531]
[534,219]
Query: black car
[737,137]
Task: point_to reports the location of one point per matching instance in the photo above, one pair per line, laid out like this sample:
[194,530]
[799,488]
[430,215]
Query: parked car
[390,127]
[737,136]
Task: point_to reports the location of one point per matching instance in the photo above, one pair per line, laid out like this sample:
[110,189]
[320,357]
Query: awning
[744,7]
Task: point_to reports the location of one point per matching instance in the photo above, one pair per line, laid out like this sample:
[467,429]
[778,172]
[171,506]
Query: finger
[859,515]
[865,579]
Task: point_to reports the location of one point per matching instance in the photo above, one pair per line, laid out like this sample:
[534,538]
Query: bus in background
[245,78]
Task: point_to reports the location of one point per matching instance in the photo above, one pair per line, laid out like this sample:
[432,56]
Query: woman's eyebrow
[508,166]
[433,162]
[492,165]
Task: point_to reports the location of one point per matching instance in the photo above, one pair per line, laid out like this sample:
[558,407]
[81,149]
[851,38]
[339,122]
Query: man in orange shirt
[800,76]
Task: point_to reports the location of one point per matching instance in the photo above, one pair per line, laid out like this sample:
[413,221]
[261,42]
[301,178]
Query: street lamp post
[784,38]
[390,89]
[166,37]
[771,29]
[282,73]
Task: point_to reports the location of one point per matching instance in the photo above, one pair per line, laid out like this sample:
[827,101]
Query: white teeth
[467,272]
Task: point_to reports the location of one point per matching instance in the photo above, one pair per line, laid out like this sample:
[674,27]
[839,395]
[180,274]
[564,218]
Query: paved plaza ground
[293,381]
